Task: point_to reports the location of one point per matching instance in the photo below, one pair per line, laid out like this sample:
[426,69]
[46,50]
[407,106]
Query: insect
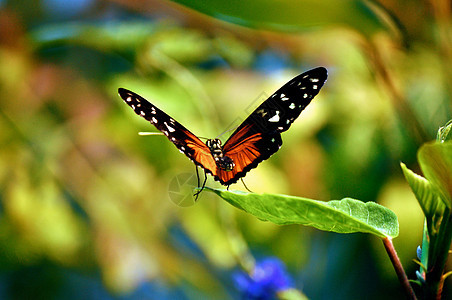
[254,141]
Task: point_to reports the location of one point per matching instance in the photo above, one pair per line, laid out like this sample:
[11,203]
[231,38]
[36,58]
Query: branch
[389,246]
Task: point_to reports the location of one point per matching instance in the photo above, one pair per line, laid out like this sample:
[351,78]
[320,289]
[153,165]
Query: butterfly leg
[245,185]
[197,174]
[203,185]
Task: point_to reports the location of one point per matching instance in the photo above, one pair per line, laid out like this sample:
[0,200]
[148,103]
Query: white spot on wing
[284,98]
[314,86]
[275,118]
[171,129]
[142,113]
[305,95]
[154,120]
[314,80]
[292,105]
[128,99]
[262,112]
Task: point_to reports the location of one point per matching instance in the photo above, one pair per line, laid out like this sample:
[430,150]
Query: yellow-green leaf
[341,216]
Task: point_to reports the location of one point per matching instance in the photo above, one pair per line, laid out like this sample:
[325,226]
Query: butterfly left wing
[181,137]
[258,137]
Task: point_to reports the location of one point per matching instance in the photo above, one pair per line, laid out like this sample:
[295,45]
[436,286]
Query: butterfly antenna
[243,181]
[204,138]
[149,133]
[234,128]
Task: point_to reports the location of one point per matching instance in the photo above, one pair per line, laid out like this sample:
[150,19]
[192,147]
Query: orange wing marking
[244,153]
[202,155]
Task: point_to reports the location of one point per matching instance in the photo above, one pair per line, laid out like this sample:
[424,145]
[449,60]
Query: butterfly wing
[181,137]
[247,152]
[259,136]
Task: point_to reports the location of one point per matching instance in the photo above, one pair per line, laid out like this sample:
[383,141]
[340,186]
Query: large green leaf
[433,209]
[426,196]
[434,193]
[436,164]
[291,15]
[341,216]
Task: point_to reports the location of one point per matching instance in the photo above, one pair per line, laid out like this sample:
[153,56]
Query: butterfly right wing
[181,137]
[259,136]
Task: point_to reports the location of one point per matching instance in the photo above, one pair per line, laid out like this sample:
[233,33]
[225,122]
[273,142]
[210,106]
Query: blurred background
[86,205]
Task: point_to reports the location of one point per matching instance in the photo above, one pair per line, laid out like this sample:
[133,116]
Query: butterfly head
[214,144]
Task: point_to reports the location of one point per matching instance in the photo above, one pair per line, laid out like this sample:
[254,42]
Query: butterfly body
[223,162]
[255,140]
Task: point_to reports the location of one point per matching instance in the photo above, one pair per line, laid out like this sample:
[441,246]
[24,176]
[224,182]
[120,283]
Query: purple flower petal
[268,277]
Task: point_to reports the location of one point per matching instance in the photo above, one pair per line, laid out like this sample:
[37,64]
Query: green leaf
[291,294]
[427,197]
[436,164]
[434,193]
[115,36]
[341,216]
[291,15]
[444,132]
[433,209]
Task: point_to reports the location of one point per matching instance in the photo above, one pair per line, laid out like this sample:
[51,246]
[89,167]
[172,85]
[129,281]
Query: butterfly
[254,141]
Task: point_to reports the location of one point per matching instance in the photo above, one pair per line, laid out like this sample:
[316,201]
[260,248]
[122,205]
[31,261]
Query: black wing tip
[321,71]
[122,92]
[125,93]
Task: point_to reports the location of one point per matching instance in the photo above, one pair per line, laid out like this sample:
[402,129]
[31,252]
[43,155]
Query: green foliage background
[83,196]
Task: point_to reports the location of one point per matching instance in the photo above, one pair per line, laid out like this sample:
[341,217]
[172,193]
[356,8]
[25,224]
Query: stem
[441,242]
[397,97]
[389,246]
[237,243]
[441,10]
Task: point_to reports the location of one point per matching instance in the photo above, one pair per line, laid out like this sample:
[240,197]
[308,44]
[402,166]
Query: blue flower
[419,252]
[268,277]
